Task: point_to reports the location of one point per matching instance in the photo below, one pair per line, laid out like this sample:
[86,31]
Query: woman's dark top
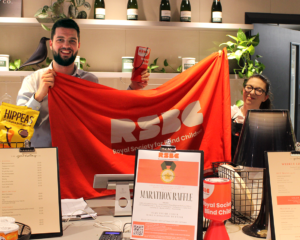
[235,135]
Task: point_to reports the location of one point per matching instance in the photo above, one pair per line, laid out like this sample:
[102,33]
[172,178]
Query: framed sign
[168,195]
[30,190]
[283,170]
[10,8]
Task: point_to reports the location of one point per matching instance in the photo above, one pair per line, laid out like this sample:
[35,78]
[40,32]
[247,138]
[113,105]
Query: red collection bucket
[140,63]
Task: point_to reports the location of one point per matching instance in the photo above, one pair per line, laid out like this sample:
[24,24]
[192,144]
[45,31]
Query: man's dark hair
[65,23]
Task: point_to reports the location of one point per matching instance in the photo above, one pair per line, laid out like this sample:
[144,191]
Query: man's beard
[63,62]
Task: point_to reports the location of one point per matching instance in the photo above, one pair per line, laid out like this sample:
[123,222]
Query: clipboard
[30,189]
[168,198]
[283,170]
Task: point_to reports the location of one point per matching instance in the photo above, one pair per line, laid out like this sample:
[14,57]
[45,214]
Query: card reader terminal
[110,235]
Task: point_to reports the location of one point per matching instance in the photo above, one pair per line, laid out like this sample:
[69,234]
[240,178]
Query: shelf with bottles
[125,24]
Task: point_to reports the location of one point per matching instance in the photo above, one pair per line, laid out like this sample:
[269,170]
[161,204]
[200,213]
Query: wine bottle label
[185,16]
[100,13]
[2,63]
[132,14]
[216,16]
[165,15]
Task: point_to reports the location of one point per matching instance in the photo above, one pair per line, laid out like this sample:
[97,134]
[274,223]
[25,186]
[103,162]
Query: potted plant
[242,50]
[56,11]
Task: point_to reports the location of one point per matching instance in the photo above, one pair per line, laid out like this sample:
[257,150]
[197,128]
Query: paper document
[76,207]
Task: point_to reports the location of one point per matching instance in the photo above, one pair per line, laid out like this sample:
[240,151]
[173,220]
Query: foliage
[73,8]
[239,103]
[56,11]
[154,66]
[242,50]
[84,64]
[14,65]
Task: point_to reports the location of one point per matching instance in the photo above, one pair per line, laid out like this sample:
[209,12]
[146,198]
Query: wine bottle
[132,10]
[165,11]
[216,12]
[185,11]
[99,9]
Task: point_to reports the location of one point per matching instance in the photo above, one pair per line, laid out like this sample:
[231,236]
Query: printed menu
[284,172]
[30,189]
[167,200]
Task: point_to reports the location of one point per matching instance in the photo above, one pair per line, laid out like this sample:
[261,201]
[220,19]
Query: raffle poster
[166,195]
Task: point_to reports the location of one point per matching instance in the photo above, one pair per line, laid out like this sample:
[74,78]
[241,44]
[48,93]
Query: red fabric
[85,128]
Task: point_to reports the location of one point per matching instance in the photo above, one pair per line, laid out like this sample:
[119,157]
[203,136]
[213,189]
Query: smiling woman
[256,95]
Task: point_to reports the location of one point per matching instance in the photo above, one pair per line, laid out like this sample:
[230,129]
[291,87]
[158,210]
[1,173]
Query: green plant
[73,8]
[83,64]
[14,65]
[55,11]
[154,66]
[242,50]
[166,64]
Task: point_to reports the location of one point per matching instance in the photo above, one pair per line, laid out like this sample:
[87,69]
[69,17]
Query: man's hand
[46,83]
[139,85]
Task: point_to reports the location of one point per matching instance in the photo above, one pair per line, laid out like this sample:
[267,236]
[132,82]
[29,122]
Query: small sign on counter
[283,173]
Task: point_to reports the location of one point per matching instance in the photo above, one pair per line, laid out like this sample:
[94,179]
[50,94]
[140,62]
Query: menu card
[30,189]
[284,172]
[168,196]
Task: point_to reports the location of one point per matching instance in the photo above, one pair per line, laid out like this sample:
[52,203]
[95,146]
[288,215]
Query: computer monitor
[264,130]
[122,183]
[109,181]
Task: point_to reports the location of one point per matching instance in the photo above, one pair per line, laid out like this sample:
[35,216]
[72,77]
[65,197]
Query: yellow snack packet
[16,124]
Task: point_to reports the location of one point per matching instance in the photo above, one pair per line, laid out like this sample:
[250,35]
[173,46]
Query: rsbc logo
[168,155]
[143,51]
[150,125]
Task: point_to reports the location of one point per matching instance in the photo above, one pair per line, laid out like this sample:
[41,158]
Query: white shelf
[97,74]
[124,24]
[106,75]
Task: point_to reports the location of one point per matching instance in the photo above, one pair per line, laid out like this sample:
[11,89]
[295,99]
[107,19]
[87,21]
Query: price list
[30,188]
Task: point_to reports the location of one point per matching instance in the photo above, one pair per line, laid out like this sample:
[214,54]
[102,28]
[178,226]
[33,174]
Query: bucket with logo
[140,63]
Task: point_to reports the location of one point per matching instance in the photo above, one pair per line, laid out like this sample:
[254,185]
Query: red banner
[97,129]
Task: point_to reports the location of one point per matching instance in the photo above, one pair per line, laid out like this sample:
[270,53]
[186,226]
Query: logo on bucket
[208,190]
[143,51]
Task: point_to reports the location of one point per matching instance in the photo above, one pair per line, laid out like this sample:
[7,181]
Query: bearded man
[64,43]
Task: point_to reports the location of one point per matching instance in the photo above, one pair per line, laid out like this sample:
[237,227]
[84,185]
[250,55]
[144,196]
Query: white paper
[166,200]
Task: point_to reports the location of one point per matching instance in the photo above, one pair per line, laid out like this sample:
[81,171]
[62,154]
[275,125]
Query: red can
[217,199]
[140,63]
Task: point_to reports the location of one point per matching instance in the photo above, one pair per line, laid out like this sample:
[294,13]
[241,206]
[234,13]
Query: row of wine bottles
[165,10]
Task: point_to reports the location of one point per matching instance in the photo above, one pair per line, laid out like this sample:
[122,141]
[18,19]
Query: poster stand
[283,170]
[30,189]
[168,192]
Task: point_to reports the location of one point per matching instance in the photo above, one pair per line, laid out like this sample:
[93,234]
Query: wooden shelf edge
[125,24]
[107,75]
[97,74]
